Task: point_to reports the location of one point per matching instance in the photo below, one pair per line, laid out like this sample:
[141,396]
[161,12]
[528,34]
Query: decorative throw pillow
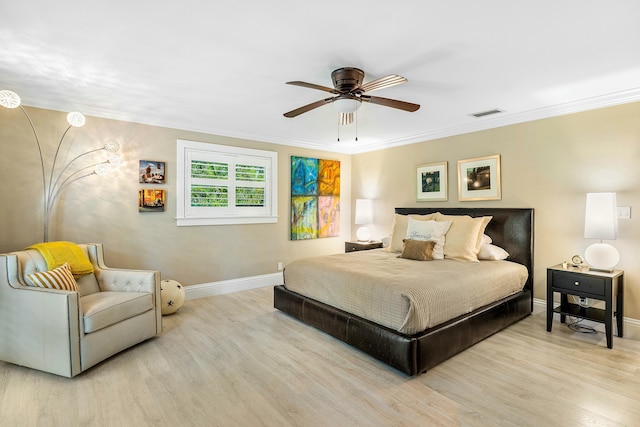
[492,252]
[58,278]
[464,236]
[399,229]
[429,230]
[419,250]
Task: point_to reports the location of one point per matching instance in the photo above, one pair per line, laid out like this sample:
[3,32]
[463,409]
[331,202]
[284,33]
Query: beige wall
[104,209]
[548,165]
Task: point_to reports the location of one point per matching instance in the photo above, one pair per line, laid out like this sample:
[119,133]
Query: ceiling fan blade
[393,103]
[308,107]
[313,86]
[383,82]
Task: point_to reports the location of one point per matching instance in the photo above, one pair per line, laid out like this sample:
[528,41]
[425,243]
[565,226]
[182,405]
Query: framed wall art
[315,198]
[151,200]
[479,178]
[152,172]
[431,182]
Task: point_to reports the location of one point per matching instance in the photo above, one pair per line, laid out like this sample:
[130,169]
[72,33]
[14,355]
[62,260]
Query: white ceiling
[221,67]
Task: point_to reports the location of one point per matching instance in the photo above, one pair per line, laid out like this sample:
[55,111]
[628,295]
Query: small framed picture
[479,179]
[431,182]
[152,172]
[151,200]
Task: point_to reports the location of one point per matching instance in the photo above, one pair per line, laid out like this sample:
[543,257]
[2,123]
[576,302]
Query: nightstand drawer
[361,246]
[573,282]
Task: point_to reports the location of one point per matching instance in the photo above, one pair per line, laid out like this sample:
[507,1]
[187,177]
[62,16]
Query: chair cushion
[103,309]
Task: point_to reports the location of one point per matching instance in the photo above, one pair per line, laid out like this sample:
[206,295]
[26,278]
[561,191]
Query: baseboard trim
[234,285]
[631,326]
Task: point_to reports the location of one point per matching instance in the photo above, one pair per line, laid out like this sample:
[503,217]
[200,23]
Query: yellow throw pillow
[419,250]
[58,278]
[464,237]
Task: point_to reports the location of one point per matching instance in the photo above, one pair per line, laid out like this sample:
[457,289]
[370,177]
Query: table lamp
[364,215]
[601,222]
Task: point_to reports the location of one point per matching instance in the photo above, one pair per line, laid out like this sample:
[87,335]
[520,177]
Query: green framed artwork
[315,198]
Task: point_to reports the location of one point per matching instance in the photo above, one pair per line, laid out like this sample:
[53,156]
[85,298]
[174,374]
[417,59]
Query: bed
[414,352]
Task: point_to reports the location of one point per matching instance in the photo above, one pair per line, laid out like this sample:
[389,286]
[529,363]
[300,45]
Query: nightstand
[361,246]
[588,284]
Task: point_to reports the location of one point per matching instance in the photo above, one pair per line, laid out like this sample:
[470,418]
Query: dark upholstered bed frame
[511,229]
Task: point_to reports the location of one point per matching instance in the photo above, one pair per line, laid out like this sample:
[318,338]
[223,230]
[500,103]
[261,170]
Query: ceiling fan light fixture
[346,105]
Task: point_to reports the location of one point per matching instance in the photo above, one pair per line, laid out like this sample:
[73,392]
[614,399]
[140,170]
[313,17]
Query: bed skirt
[411,354]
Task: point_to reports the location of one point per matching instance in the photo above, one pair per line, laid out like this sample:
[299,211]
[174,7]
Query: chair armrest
[118,279]
[39,328]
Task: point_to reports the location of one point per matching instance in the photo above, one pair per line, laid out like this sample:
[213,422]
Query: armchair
[66,332]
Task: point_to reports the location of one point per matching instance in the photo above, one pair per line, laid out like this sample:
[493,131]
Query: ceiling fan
[350,91]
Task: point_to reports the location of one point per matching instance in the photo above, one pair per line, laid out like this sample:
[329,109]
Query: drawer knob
[577,283]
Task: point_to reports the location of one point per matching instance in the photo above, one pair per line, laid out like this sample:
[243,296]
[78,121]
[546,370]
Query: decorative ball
[172,294]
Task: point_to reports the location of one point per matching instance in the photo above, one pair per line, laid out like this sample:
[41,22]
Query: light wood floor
[233,360]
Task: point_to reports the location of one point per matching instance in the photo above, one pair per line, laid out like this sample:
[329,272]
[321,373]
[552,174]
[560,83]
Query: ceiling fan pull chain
[338,127]
[356,113]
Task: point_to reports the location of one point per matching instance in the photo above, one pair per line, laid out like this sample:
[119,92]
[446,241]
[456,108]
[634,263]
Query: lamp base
[602,257]
[363,234]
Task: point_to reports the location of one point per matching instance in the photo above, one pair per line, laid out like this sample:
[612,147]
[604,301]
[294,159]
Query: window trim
[186,149]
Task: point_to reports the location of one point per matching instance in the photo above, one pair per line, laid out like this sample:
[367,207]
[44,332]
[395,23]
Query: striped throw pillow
[58,278]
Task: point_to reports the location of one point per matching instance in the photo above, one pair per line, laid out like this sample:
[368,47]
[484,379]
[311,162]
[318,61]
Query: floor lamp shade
[601,222]
[364,215]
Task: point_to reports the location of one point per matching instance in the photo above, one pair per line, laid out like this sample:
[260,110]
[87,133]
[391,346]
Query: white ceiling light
[347,104]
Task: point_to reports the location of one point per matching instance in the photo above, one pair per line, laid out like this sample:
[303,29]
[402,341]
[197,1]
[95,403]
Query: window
[221,184]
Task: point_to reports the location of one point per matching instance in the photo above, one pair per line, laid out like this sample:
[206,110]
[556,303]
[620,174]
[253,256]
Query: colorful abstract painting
[304,211]
[315,198]
[304,176]
[328,216]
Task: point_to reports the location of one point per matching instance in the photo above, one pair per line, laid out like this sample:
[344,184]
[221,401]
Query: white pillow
[399,230]
[486,239]
[429,230]
[492,252]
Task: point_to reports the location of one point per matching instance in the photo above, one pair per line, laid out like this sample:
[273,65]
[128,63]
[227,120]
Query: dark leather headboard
[510,228]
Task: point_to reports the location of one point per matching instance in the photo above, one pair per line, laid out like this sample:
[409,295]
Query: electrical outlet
[280,266]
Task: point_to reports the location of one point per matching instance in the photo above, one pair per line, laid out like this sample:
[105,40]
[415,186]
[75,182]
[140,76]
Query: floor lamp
[62,175]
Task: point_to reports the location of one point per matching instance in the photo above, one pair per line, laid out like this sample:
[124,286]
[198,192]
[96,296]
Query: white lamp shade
[364,211]
[112,146]
[601,222]
[115,159]
[101,169]
[9,99]
[601,218]
[346,105]
[76,119]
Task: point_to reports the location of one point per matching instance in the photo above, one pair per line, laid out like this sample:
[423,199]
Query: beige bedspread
[405,295]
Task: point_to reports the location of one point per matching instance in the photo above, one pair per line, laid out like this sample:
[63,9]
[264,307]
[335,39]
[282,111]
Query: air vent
[487,113]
